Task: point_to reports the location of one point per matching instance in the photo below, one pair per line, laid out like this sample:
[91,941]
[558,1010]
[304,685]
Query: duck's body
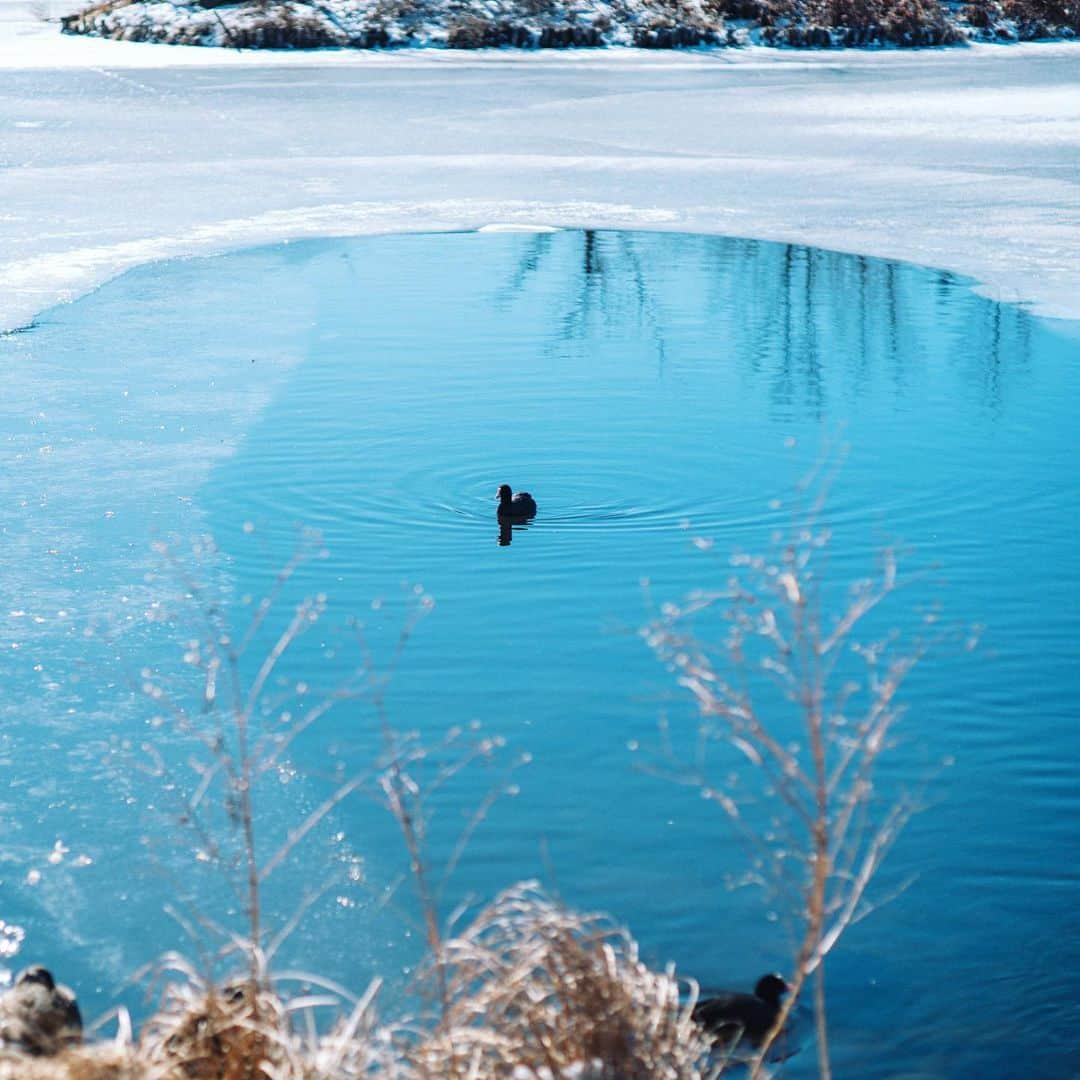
[37,1015]
[521,505]
[733,1017]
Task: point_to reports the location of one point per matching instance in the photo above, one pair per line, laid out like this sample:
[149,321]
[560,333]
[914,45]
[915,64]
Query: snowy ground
[113,153]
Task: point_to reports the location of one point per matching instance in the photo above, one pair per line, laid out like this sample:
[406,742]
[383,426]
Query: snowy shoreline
[121,153]
[560,24]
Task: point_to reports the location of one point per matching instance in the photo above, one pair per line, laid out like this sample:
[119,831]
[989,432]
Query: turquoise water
[649,390]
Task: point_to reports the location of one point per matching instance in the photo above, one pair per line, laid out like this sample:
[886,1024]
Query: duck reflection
[507,528]
[514,510]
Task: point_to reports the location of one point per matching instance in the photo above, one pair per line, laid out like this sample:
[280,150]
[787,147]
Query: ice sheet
[116,153]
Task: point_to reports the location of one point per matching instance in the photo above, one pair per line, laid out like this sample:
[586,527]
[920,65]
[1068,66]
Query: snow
[419,23]
[115,153]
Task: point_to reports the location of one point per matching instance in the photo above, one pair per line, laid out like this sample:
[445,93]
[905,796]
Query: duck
[735,1017]
[37,1015]
[520,505]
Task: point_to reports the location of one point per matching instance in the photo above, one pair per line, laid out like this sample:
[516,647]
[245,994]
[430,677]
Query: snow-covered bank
[553,24]
[116,153]
[533,24]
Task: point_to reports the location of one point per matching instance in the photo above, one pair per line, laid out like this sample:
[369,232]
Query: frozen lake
[648,389]
[114,153]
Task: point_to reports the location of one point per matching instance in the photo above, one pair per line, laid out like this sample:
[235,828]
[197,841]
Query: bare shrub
[470,32]
[791,675]
[244,717]
[280,26]
[241,718]
[823,23]
[918,22]
[762,12]
[1043,18]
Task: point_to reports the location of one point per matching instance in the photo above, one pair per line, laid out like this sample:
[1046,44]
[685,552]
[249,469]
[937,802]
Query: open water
[660,395]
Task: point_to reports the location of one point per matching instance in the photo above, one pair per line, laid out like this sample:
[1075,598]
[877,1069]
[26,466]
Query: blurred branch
[839,694]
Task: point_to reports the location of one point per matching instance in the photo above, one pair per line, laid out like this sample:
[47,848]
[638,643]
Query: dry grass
[235,1032]
[538,990]
[534,990]
[101,1062]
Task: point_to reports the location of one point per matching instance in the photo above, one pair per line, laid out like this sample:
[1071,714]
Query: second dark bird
[734,1017]
[37,1015]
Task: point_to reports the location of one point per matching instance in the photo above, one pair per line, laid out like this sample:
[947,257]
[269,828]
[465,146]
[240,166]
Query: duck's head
[505,492]
[36,973]
[771,988]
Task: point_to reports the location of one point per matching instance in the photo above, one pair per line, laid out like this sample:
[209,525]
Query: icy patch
[149,153]
[30,285]
[523,227]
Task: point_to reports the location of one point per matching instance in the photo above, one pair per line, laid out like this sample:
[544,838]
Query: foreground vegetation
[533,990]
[528,988]
[471,24]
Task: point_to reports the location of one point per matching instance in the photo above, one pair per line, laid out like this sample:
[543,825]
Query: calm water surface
[649,390]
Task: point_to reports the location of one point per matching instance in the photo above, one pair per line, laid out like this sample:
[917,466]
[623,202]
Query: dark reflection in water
[803,310]
[653,391]
[507,528]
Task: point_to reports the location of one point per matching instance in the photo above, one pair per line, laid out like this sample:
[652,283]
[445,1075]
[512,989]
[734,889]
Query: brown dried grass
[534,990]
[98,1062]
[236,1032]
[538,990]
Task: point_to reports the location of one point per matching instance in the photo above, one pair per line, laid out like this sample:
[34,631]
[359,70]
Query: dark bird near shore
[519,507]
[38,1016]
[732,1017]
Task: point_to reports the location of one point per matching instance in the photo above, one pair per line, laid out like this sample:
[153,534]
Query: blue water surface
[660,395]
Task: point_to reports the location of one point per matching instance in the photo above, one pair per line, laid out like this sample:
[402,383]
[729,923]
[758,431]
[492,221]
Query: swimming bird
[733,1017]
[37,1015]
[517,506]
